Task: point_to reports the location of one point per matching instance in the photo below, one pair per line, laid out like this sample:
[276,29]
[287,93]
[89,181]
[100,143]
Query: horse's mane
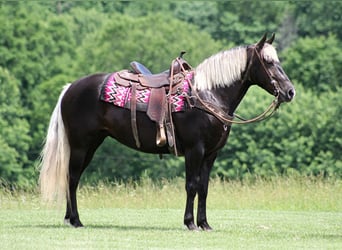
[221,69]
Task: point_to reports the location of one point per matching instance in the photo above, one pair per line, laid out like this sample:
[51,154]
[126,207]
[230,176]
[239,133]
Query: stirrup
[161,135]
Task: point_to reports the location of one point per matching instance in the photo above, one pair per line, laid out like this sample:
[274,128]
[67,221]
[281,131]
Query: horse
[80,122]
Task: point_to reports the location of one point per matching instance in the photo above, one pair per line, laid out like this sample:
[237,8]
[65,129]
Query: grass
[286,213]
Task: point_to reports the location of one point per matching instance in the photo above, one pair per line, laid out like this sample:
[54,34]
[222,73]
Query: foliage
[301,138]
[45,44]
[14,138]
[238,24]
[316,18]
[315,62]
[117,43]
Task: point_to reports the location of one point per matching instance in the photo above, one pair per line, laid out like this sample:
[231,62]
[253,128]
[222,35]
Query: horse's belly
[119,126]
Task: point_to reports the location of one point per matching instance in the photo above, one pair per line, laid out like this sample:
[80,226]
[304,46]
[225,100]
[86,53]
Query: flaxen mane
[224,68]
[221,69]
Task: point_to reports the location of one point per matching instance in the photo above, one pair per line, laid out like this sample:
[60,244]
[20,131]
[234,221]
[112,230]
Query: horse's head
[265,70]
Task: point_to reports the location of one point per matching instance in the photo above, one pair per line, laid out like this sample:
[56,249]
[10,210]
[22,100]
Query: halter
[226,119]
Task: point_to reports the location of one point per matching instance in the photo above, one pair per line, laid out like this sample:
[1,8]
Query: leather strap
[134,114]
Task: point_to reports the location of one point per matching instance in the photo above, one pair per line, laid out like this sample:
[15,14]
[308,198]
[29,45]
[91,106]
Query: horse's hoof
[75,224]
[192,227]
[67,222]
[205,227]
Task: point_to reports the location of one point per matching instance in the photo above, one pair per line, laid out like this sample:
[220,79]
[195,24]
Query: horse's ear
[271,39]
[261,43]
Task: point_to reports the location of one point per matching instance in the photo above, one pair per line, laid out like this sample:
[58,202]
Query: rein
[226,119]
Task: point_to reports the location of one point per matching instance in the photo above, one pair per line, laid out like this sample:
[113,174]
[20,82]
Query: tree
[150,39]
[245,22]
[315,62]
[14,130]
[303,137]
[26,49]
[318,18]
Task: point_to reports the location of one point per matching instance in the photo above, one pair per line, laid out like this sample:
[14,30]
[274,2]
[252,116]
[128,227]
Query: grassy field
[293,213]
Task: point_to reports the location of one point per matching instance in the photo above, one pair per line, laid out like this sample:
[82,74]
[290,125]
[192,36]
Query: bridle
[273,82]
[227,119]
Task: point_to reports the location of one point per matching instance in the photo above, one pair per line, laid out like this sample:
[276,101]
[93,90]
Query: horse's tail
[55,156]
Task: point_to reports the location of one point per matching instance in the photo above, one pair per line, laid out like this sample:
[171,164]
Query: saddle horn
[180,64]
[181,54]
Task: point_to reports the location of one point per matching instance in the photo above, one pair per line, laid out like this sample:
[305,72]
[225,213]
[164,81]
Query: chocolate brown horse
[81,121]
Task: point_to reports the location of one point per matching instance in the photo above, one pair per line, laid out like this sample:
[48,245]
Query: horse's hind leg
[76,167]
[79,160]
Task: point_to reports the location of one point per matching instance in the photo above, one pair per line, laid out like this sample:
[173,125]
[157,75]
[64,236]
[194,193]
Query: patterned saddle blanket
[121,96]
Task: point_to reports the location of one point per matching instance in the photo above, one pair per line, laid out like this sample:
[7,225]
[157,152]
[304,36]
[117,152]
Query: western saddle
[161,85]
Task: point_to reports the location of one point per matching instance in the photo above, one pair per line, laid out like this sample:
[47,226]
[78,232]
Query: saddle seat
[140,68]
[147,79]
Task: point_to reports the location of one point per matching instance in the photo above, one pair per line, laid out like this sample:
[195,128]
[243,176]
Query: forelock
[269,53]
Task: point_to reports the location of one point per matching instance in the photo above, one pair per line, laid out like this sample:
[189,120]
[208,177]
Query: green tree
[245,22]
[315,62]
[14,130]
[304,137]
[33,43]
[150,39]
[318,18]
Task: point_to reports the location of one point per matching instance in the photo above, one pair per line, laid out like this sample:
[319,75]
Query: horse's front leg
[193,162]
[203,192]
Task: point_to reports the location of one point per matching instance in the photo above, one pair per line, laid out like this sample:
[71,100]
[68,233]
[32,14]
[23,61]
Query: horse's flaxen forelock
[221,69]
[269,53]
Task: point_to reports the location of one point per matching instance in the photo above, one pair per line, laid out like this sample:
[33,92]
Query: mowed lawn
[283,213]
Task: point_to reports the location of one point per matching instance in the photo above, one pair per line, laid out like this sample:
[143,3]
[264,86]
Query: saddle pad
[120,95]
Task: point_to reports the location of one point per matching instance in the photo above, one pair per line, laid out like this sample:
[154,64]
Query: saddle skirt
[121,96]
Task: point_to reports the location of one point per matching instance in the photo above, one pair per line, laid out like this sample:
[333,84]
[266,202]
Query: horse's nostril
[291,93]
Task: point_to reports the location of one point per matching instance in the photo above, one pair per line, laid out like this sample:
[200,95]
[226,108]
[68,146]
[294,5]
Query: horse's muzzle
[286,94]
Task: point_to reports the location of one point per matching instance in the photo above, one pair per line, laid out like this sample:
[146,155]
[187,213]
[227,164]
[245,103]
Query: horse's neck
[228,98]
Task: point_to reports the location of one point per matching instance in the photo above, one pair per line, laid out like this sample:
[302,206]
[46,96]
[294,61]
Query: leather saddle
[144,77]
[160,85]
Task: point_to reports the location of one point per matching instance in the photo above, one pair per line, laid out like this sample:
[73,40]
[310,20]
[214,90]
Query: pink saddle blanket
[120,95]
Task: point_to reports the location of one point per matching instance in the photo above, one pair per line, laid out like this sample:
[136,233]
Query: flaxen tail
[54,164]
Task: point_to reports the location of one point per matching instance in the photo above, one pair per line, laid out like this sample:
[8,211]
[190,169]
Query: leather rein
[221,115]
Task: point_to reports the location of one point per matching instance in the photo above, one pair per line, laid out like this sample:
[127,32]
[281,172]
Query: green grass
[283,213]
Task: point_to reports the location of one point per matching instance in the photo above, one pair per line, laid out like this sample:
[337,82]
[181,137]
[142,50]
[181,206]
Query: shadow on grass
[107,226]
[133,228]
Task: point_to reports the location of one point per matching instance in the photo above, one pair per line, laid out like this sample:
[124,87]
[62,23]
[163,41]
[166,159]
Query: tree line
[44,45]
